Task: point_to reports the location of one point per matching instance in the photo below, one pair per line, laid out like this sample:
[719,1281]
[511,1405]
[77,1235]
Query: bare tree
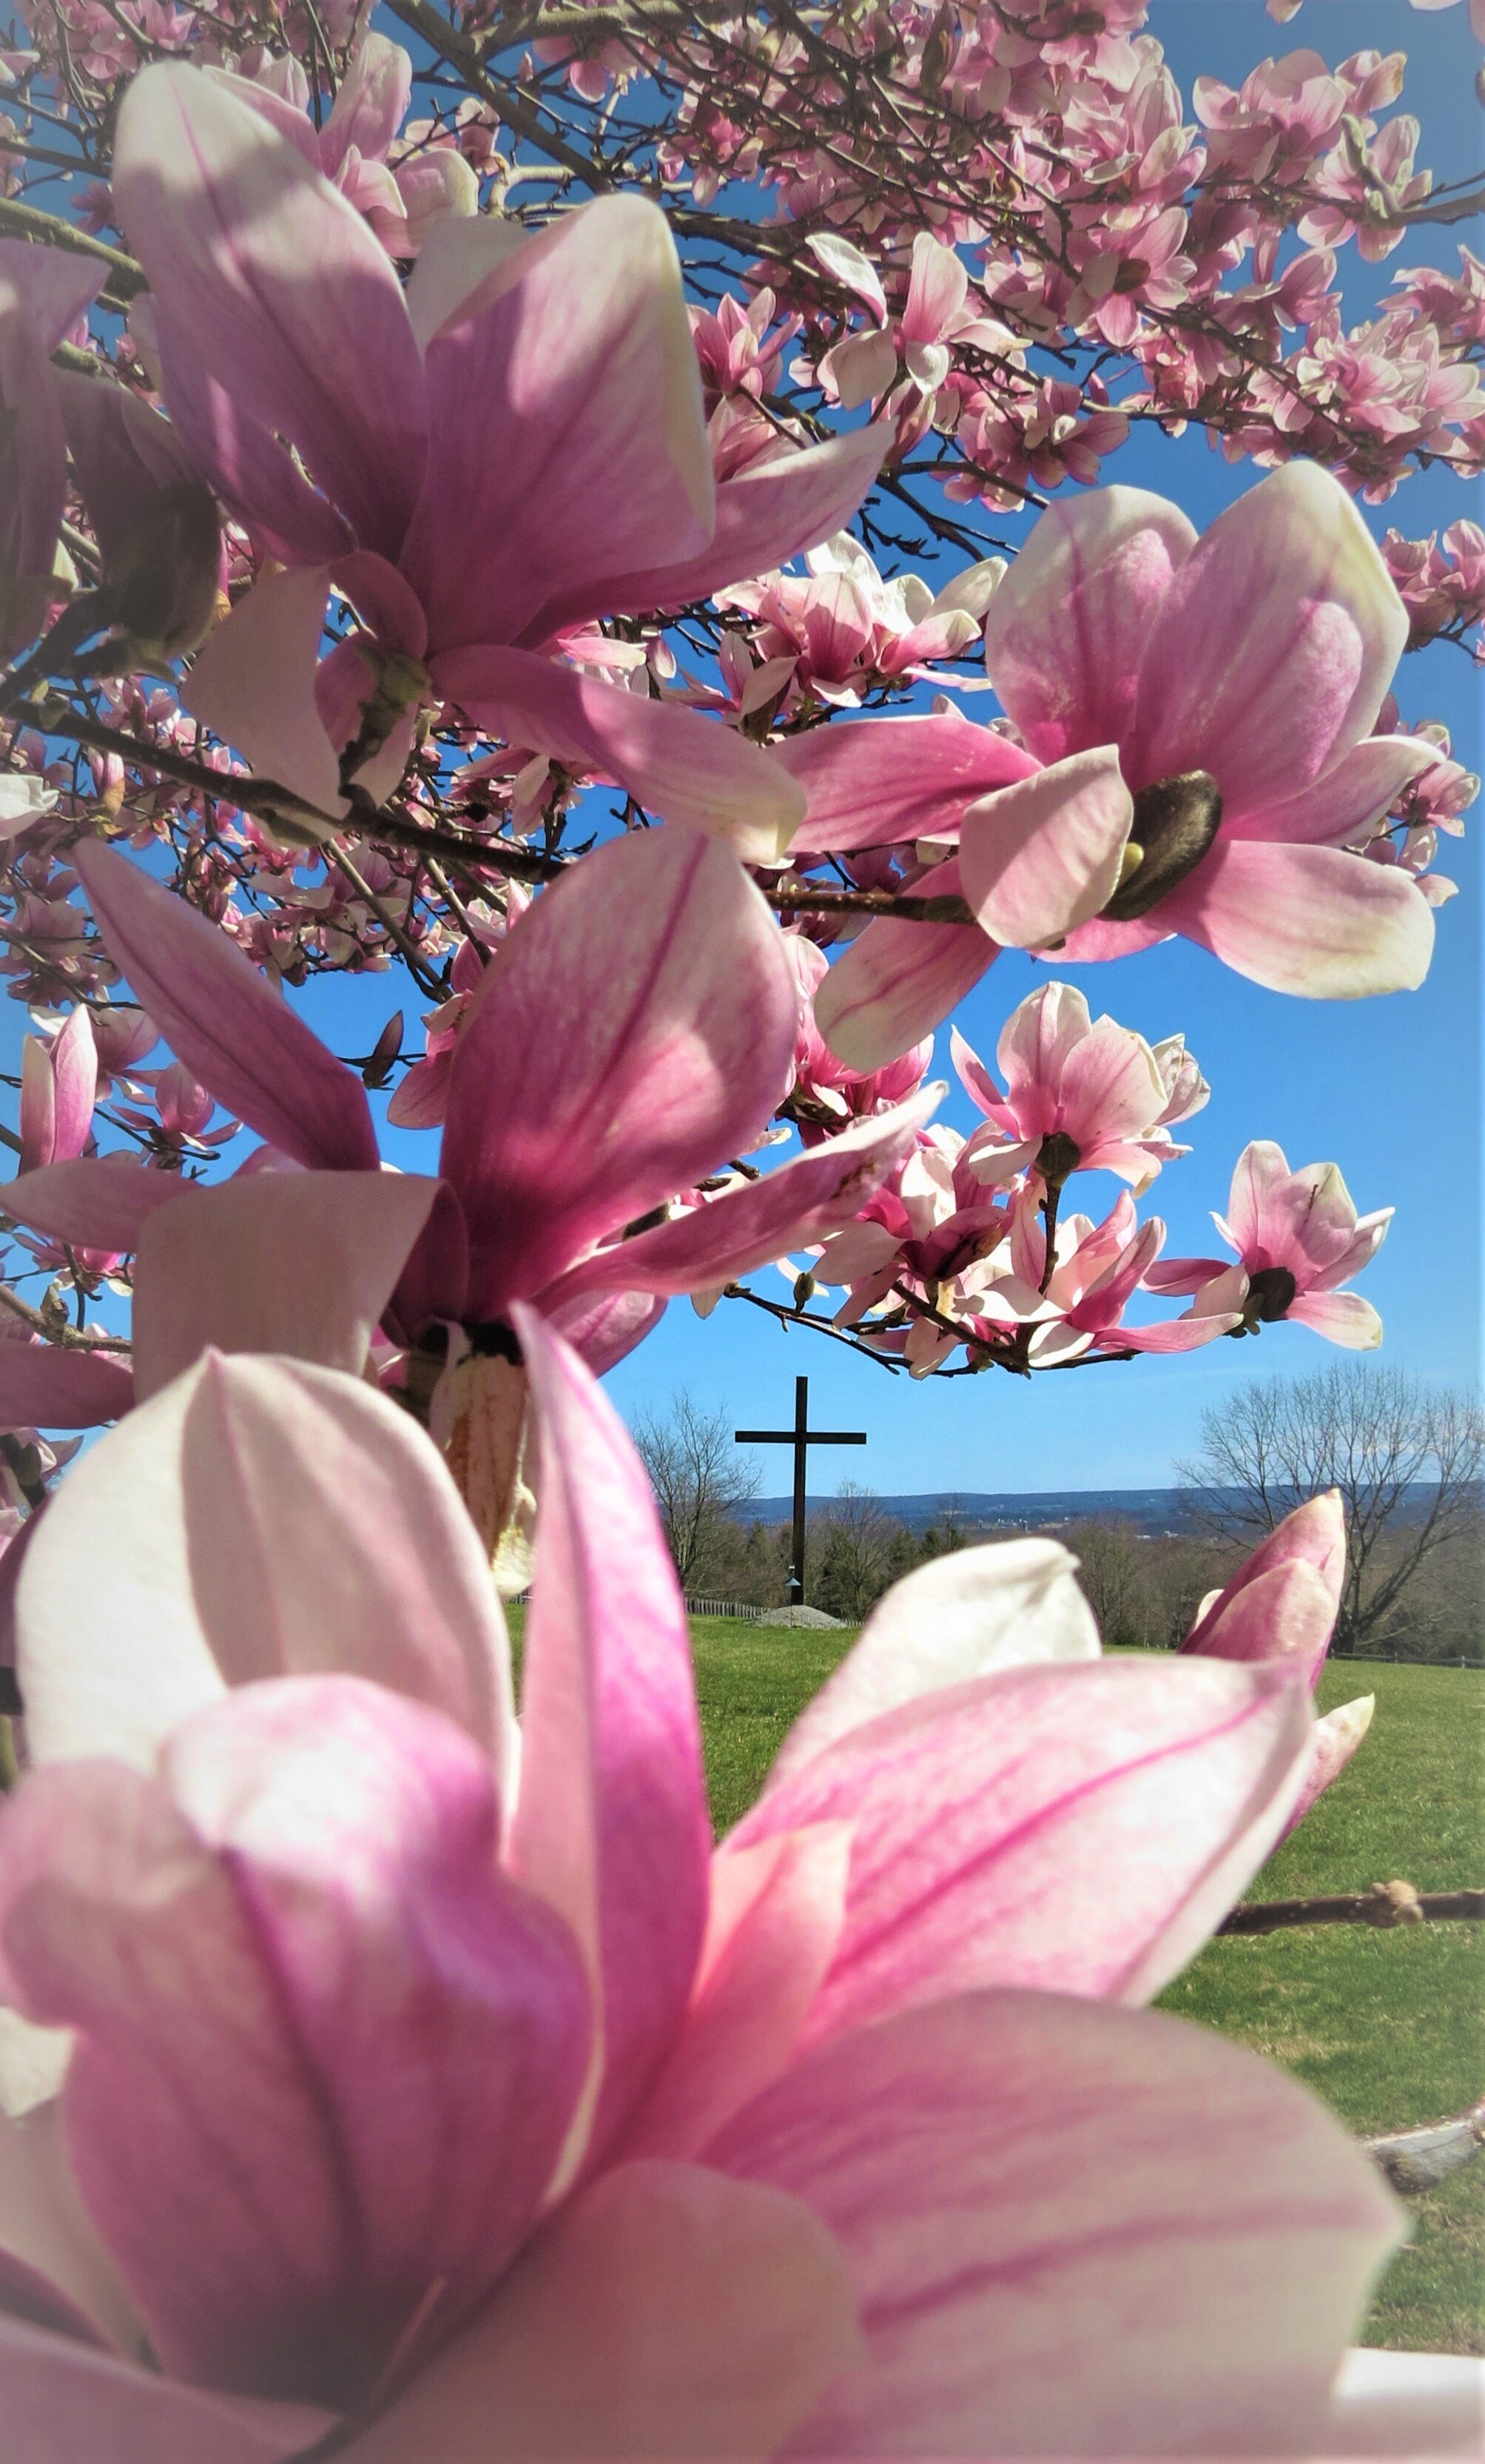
[1111,1570]
[851,1546]
[699,1478]
[1406,1458]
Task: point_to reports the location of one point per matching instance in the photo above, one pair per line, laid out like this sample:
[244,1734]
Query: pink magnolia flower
[59,1092]
[401,201]
[826,1096]
[1204,708]
[841,629]
[512,449]
[1078,1307]
[1078,1097]
[1282,1604]
[636,1029]
[925,1227]
[575,2139]
[1299,1239]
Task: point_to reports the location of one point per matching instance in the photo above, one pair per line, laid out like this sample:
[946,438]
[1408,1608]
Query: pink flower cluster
[368,2080]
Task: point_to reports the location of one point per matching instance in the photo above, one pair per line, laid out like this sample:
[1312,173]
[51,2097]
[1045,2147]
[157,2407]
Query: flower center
[1175,822]
[1057,1156]
[1270,1293]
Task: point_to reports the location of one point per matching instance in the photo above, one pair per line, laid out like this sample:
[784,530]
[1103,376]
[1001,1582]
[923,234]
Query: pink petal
[688,769]
[605,1327]
[960,1616]
[42,292]
[63,2399]
[936,289]
[748,1227]
[775,1917]
[1312,1537]
[880,781]
[72,1062]
[44,1387]
[1179,1275]
[666,2313]
[1187,1333]
[1286,1612]
[371,103]
[589,451]
[1333,1742]
[297,1263]
[1364,784]
[1304,919]
[1043,856]
[1273,645]
[1345,1318]
[1066,629]
[243,1041]
[896,981]
[253,685]
[1079,1828]
[92,1205]
[289,119]
[326,2051]
[45,2236]
[258,1518]
[434,187]
[764,516]
[1412,2404]
[277,310]
[1073,2230]
[52,287]
[611,1826]
[571,1114]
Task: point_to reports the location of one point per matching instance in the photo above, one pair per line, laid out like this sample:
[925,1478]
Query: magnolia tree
[459,474]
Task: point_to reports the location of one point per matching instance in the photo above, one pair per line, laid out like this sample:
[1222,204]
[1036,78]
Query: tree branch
[29,222]
[1385,1905]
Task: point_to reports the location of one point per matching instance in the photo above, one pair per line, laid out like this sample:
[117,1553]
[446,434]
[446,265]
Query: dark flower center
[1057,1156]
[1175,822]
[1270,1293]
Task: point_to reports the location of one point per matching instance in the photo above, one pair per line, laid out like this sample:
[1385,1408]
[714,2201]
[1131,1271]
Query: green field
[1386,2027]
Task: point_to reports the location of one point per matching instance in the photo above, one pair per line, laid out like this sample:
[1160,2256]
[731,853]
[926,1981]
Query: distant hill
[1151,1510]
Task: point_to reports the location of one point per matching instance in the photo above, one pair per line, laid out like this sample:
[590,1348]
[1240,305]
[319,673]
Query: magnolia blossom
[444,2105]
[1299,1239]
[1078,1097]
[635,1029]
[930,1221]
[514,447]
[401,201]
[826,1096]
[1075,1303]
[838,628]
[1282,1604]
[1204,708]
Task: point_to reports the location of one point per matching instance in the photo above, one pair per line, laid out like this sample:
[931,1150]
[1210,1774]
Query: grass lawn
[1386,2027]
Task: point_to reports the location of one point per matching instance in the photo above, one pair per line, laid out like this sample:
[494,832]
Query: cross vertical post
[801,1437]
[802,1442]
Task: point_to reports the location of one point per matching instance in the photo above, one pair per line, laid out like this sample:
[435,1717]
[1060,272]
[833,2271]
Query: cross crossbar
[801,1437]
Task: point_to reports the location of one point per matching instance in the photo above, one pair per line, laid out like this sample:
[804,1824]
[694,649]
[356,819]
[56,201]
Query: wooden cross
[801,1437]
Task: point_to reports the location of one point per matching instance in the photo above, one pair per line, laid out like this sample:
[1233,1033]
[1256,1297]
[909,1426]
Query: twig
[65,1337]
[29,222]
[1386,1903]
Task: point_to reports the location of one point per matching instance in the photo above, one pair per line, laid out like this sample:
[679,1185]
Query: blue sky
[1389,1088]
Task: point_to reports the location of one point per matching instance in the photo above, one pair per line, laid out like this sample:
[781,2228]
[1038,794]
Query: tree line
[1406,1457]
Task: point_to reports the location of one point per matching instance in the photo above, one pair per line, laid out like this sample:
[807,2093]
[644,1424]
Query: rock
[799,1617]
